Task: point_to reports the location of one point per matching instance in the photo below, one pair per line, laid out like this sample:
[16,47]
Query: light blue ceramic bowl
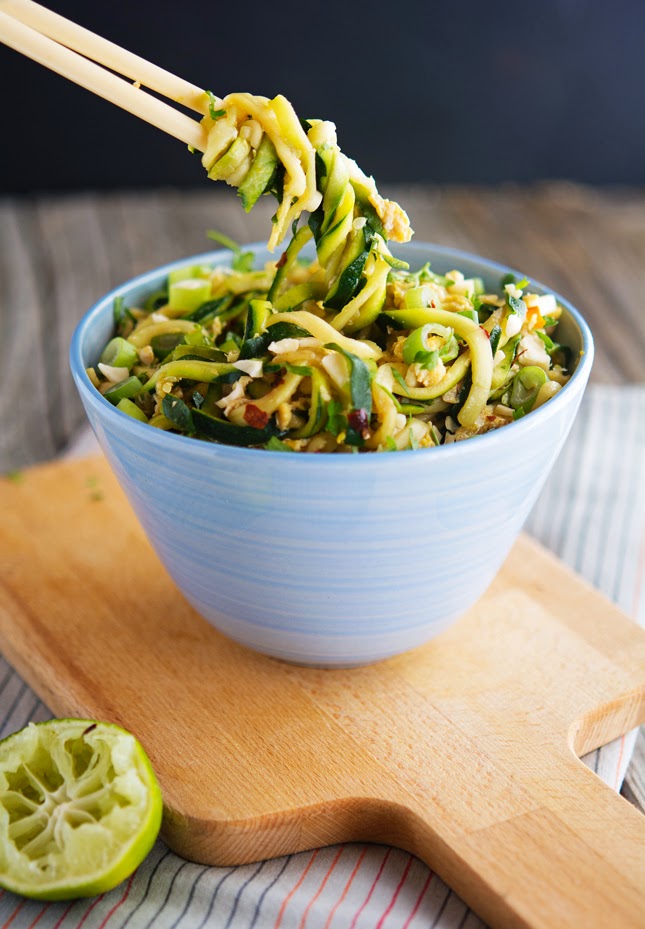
[333,560]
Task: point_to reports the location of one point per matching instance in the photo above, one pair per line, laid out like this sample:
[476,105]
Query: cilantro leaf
[243,261]
[360,380]
[398,377]
[517,305]
[494,337]
[336,419]
[212,103]
[427,360]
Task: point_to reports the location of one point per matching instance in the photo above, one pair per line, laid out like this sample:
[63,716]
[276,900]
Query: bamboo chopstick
[106,53]
[57,57]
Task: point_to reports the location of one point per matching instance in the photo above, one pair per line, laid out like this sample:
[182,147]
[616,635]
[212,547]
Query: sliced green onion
[131,409]
[156,300]
[415,347]
[188,272]
[128,387]
[526,386]
[119,354]
[480,354]
[188,294]
[416,342]
[450,350]
[445,332]
[180,274]
[418,296]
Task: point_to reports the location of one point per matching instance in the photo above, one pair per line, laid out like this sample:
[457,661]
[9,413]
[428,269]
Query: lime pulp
[80,808]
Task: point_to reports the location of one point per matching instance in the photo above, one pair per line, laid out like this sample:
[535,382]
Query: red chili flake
[486,332]
[358,420]
[255,417]
[282,261]
[433,305]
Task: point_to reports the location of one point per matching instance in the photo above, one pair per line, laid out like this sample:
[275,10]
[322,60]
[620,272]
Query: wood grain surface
[434,751]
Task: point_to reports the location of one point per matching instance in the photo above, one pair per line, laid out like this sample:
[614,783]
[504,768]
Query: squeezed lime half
[80,808]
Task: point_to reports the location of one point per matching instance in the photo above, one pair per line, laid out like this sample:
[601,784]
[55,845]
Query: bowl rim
[167,440]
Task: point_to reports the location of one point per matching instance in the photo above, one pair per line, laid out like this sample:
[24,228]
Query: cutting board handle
[576,860]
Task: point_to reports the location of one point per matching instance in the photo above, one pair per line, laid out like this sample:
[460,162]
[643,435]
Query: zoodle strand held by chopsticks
[260,146]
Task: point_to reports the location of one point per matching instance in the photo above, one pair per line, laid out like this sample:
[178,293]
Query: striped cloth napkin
[592,514]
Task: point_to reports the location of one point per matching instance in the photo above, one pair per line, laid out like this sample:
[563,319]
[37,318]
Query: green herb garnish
[243,261]
[212,103]
[336,419]
[398,377]
[517,305]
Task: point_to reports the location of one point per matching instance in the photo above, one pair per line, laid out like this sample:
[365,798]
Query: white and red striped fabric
[592,514]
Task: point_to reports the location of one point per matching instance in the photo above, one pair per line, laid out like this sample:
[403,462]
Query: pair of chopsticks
[54,41]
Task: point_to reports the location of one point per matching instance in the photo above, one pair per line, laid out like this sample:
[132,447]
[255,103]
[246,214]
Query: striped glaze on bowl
[331,560]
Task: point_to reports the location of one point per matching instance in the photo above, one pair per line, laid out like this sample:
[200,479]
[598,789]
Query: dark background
[468,91]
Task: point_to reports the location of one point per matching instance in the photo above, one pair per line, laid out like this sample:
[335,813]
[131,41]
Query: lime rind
[80,808]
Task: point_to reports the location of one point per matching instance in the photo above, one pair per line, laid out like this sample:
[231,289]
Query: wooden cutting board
[462,751]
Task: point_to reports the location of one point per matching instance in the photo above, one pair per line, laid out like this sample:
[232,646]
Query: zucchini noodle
[349,352]
[259,145]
